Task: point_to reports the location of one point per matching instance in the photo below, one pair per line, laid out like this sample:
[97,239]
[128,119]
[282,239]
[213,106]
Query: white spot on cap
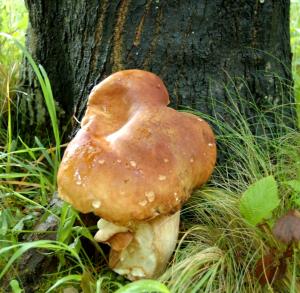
[176,196]
[199,119]
[150,195]
[192,160]
[162,177]
[119,161]
[210,144]
[77,177]
[137,272]
[96,204]
[133,163]
[143,203]
[91,149]
[166,160]
[101,162]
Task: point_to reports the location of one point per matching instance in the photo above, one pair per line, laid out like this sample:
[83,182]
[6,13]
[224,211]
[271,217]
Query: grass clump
[219,250]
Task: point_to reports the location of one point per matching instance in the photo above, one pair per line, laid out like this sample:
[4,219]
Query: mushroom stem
[142,251]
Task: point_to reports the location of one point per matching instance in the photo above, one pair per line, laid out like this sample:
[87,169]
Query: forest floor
[229,239]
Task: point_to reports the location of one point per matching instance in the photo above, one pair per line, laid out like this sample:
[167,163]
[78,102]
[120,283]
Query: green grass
[295,44]
[13,20]
[217,250]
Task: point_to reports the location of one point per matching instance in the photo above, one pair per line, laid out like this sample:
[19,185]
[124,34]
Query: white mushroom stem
[144,252]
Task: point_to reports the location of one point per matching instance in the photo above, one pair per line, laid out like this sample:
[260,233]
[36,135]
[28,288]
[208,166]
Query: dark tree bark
[196,46]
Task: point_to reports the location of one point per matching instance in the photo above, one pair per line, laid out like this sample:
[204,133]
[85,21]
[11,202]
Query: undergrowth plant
[222,247]
[228,242]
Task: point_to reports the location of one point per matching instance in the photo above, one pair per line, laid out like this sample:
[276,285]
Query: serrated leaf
[259,200]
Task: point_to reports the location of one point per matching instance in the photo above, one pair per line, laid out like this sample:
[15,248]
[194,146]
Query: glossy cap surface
[134,158]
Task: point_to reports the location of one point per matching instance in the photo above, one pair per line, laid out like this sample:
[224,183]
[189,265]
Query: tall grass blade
[69,278]
[47,93]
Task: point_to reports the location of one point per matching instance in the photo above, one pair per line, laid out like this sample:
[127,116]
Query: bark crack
[117,49]
[139,30]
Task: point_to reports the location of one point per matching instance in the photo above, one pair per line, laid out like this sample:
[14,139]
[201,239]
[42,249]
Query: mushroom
[133,163]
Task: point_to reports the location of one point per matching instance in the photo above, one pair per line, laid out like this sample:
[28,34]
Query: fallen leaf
[270,268]
[287,228]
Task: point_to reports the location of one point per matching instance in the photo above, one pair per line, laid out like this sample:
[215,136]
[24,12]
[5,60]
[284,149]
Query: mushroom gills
[145,250]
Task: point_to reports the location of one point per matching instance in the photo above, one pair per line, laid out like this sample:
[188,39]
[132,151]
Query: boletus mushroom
[134,162]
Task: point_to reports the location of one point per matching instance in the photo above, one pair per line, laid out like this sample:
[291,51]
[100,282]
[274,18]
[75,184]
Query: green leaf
[20,225]
[259,200]
[296,199]
[15,287]
[144,286]
[294,184]
[67,219]
[76,244]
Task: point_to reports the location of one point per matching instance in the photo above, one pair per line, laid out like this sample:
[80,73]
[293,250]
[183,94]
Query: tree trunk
[199,48]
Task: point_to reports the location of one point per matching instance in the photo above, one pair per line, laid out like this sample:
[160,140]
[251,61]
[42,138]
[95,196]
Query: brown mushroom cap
[134,158]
